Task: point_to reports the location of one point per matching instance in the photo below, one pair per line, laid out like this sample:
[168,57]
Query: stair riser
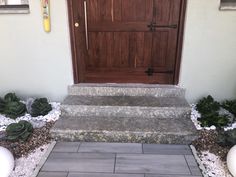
[125,111]
[125,137]
[117,91]
[132,124]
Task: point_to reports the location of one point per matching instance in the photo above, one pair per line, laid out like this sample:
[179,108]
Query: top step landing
[126,90]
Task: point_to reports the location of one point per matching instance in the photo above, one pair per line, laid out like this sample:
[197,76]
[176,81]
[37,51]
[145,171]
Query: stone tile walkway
[73,159]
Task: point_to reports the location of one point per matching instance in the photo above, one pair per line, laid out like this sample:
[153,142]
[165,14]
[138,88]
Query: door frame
[78,68]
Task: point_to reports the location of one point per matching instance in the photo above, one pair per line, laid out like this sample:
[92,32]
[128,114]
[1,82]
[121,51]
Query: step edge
[54,130]
[127,107]
[125,85]
[156,90]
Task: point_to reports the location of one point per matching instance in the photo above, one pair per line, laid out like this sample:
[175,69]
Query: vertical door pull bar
[86,24]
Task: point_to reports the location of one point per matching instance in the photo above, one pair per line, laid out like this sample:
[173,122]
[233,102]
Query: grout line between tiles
[188,165]
[114,170]
[79,146]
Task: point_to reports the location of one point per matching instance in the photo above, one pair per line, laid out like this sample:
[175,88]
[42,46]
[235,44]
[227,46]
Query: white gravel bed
[53,115]
[195,115]
[213,165]
[25,166]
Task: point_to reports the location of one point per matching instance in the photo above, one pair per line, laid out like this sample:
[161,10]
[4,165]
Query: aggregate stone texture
[111,113]
[119,160]
[145,101]
[126,90]
[120,129]
[126,106]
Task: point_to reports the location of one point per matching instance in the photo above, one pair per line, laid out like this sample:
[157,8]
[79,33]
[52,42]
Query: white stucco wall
[34,63]
[209,54]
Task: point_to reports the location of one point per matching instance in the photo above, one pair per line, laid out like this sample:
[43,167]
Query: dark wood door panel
[130,50]
[166,12]
[122,45]
[129,77]
[100,11]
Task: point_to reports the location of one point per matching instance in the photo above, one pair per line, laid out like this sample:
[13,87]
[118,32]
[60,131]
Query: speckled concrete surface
[126,106]
[102,129]
[126,90]
[129,118]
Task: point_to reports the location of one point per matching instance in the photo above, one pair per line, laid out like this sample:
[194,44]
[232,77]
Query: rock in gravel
[37,124]
[2,135]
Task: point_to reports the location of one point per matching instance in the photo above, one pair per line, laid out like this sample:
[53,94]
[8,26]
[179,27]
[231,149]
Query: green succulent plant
[14,109]
[2,105]
[11,97]
[207,105]
[19,131]
[230,105]
[227,138]
[209,110]
[40,107]
[214,119]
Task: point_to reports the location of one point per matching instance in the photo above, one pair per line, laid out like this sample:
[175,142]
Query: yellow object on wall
[46,15]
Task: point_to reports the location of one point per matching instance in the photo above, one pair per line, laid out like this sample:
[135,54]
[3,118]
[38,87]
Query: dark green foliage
[19,131]
[209,110]
[14,109]
[40,107]
[2,105]
[11,97]
[214,119]
[230,105]
[227,138]
[11,106]
[207,105]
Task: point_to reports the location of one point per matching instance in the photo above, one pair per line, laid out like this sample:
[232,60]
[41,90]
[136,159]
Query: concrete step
[126,90]
[123,129]
[126,106]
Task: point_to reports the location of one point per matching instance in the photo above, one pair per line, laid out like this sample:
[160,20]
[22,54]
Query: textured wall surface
[34,63]
[209,53]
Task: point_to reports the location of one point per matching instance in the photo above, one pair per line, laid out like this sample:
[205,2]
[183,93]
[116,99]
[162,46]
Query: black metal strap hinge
[152,26]
[149,71]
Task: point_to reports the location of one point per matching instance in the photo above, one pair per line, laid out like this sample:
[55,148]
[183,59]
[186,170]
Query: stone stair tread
[112,89]
[132,101]
[125,113]
[177,126]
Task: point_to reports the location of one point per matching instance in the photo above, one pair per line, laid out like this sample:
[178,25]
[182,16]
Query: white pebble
[53,115]
[25,166]
[214,166]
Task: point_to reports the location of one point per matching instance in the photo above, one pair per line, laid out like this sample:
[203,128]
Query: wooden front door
[126,41]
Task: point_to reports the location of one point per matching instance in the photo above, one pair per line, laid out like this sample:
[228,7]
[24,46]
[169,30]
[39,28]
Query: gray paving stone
[52,174]
[111,147]
[191,160]
[80,162]
[66,147]
[167,149]
[155,164]
[103,175]
[153,175]
[193,166]
[195,170]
